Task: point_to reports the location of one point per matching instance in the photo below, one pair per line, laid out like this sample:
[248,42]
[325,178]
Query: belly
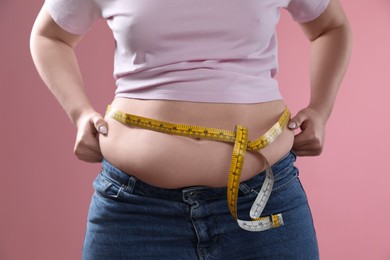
[169,161]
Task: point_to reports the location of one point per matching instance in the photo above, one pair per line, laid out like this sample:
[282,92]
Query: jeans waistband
[134,185]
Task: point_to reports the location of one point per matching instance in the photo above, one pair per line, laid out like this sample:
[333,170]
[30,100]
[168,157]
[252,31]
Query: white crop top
[203,51]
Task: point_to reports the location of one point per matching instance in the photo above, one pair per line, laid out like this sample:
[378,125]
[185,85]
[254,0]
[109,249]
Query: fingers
[100,124]
[309,142]
[306,143]
[88,149]
[297,121]
[87,146]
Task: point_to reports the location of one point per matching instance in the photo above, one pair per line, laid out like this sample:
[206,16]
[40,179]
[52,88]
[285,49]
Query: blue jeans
[129,219]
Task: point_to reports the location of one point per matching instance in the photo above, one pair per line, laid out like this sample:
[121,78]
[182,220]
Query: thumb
[100,124]
[296,121]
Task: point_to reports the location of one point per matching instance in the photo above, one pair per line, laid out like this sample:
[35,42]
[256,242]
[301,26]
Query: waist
[115,176]
[257,117]
[174,161]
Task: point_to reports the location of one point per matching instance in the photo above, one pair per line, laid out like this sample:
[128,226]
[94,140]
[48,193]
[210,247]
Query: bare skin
[170,161]
[173,161]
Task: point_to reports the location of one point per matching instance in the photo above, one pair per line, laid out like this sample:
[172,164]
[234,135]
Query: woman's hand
[330,46]
[87,147]
[52,49]
[310,141]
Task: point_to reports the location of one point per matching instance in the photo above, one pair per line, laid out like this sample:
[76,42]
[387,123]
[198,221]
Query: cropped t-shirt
[221,51]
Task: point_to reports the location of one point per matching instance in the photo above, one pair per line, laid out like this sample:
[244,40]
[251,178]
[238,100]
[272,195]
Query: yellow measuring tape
[241,144]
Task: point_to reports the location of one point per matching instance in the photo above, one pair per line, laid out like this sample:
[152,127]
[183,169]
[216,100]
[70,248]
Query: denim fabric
[129,219]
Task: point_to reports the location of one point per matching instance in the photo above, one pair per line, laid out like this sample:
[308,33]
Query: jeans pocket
[285,178]
[106,187]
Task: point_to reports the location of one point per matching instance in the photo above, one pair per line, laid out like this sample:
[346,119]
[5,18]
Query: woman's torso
[171,161]
[200,52]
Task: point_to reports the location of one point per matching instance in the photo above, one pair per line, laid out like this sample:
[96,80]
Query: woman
[208,64]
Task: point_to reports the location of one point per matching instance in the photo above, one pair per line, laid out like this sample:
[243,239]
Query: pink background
[45,191]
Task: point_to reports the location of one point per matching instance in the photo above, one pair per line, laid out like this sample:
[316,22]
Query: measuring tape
[241,144]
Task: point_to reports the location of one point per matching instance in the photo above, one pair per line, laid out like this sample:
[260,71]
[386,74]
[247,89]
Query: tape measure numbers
[241,144]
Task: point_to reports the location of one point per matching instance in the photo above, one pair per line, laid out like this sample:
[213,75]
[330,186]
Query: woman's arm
[52,50]
[331,42]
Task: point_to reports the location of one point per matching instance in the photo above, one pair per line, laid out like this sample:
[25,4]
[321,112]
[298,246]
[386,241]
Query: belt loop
[244,188]
[131,184]
[294,154]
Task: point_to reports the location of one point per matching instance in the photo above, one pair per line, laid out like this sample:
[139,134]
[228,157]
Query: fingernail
[103,130]
[292,125]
